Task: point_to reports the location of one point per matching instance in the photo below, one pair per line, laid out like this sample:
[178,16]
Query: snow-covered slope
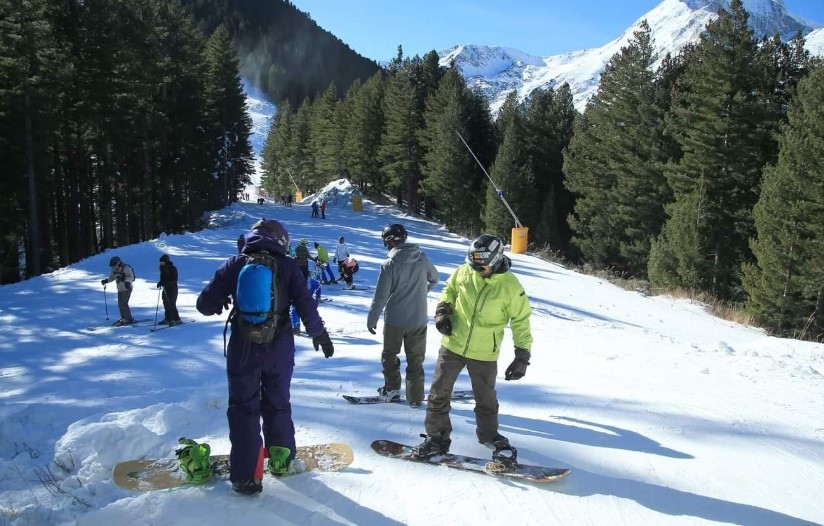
[674,23]
[261,110]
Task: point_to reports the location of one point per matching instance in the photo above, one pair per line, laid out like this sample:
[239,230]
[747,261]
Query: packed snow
[666,415]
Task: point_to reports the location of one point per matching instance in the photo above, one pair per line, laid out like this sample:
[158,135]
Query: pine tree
[720,121]
[550,118]
[401,153]
[31,64]
[326,137]
[232,124]
[302,161]
[614,165]
[449,183]
[513,188]
[786,283]
[275,158]
[362,140]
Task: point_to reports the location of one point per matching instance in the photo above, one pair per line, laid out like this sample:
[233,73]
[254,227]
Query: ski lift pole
[289,173]
[498,191]
[298,193]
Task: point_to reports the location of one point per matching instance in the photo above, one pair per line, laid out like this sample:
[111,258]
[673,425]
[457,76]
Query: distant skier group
[122,274]
[478,301]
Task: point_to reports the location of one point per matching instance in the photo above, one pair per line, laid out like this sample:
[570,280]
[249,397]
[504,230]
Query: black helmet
[164,258]
[114,261]
[485,251]
[396,233]
[271,229]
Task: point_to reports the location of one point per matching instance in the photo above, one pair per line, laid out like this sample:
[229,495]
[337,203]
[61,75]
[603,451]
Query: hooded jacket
[482,307]
[292,288]
[406,276]
[123,276]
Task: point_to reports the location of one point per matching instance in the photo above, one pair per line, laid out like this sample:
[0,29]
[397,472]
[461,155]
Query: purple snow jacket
[293,291]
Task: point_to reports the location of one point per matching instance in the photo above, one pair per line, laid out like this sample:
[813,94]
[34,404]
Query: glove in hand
[334,260]
[226,305]
[371,329]
[442,318]
[103,282]
[517,369]
[322,341]
[158,284]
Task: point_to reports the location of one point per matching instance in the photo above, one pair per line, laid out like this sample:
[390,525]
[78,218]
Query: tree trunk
[34,265]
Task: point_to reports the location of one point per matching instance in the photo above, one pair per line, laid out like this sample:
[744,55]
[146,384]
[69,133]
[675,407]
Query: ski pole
[158,305]
[106,302]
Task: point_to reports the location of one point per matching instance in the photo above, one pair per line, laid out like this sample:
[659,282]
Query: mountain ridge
[498,70]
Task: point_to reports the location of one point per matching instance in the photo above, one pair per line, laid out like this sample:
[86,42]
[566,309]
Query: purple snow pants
[259,380]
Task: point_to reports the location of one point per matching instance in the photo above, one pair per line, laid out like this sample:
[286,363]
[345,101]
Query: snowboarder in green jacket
[479,299]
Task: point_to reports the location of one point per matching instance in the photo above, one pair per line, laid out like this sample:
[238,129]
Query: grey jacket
[122,276]
[404,280]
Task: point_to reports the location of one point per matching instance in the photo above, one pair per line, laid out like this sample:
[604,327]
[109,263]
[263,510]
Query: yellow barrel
[357,203]
[519,239]
[298,197]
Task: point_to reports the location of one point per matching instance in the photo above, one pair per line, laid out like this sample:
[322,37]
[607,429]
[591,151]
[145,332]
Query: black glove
[226,305]
[442,321]
[322,341]
[334,260]
[371,329]
[103,282]
[517,369]
[158,284]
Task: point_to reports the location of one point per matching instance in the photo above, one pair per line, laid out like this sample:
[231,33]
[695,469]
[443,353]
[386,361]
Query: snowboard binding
[503,458]
[194,460]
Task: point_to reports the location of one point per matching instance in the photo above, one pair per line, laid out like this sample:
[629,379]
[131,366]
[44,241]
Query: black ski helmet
[114,261]
[272,229]
[164,258]
[395,233]
[485,251]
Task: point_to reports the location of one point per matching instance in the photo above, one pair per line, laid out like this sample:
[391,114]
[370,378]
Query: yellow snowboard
[164,473]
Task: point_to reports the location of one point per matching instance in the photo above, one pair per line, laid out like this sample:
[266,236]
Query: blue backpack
[257,298]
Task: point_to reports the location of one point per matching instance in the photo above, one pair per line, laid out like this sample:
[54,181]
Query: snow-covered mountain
[674,23]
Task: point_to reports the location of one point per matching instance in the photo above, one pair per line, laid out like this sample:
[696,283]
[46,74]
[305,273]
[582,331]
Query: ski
[113,326]
[361,400]
[161,327]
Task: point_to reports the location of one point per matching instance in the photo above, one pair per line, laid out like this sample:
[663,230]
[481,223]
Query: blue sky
[375,28]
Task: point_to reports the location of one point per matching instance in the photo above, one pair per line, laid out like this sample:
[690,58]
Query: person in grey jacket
[405,278]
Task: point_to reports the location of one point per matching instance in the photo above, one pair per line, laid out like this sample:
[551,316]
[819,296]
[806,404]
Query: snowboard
[161,327]
[516,471]
[113,326]
[456,395]
[164,473]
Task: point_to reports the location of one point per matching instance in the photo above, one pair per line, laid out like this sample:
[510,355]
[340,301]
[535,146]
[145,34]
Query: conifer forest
[702,171]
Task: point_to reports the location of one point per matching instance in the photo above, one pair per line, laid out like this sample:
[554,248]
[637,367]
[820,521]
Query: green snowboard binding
[194,460]
[278,464]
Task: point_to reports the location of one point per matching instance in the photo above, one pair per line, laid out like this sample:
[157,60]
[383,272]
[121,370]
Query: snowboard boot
[432,446]
[247,486]
[194,460]
[389,395]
